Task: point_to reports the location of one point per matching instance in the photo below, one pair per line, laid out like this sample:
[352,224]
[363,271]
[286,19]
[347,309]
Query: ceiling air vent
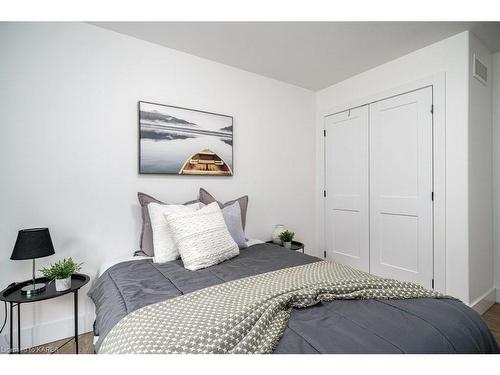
[480,71]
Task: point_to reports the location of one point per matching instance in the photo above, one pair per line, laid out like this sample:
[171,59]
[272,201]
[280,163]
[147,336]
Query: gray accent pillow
[206,198]
[232,218]
[146,241]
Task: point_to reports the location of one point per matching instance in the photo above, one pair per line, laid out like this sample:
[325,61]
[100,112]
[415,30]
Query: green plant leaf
[286,236]
[61,269]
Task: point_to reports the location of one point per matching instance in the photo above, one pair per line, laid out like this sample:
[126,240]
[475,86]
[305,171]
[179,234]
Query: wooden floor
[492,318]
[85,343]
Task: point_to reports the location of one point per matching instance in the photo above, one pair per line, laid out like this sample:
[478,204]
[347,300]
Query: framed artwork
[175,140]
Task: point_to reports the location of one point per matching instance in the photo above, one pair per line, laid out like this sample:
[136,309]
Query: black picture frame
[151,171]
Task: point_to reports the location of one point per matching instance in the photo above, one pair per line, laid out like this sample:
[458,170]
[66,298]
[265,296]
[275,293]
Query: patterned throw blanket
[247,315]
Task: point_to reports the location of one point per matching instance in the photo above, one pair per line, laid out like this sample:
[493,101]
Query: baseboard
[4,345]
[498,295]
[47,332]
[483,303]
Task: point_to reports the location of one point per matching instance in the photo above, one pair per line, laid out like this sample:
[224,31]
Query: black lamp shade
[32,243]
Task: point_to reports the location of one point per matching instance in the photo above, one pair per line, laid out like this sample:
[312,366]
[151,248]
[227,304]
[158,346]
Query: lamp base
[32,289]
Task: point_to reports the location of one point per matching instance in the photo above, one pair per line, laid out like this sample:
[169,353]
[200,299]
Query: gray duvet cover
[355,326]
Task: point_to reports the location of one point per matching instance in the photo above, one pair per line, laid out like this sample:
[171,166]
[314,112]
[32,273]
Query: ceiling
[313,55]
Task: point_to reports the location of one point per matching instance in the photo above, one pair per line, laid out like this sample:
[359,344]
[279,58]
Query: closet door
[346,201]
[401,208]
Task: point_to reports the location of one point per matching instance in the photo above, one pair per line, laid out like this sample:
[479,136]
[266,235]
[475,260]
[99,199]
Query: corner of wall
[495,75]
[480,177]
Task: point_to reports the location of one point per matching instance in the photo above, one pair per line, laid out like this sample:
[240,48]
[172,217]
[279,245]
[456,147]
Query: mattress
[349,326]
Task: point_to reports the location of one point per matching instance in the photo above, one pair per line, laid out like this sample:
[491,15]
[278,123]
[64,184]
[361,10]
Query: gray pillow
[206,198]
[146,241]
[232,217]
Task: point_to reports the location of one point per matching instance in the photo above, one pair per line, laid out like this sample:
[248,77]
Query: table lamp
[31,244]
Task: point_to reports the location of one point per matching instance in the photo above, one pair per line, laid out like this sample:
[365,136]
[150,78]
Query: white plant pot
[63,284]
[288,245]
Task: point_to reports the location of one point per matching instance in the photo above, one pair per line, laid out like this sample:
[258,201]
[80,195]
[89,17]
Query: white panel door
[347,189]
[401,208]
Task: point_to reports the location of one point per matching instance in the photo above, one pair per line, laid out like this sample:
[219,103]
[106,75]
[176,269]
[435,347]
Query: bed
[423,325]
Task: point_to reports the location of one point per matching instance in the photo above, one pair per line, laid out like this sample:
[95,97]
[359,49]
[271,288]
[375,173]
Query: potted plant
[61,272]
[287,237]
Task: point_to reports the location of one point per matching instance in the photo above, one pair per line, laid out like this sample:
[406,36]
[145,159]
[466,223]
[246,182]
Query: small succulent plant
[286,236]
[61,270]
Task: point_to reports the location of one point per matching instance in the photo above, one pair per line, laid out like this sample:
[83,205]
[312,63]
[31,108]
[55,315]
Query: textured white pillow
[202,237]
[163,244]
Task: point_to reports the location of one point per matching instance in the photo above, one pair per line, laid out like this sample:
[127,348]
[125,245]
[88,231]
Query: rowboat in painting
[206,162]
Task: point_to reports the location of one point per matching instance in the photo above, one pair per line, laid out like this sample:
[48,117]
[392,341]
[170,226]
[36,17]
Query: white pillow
[202,237]
[163,244]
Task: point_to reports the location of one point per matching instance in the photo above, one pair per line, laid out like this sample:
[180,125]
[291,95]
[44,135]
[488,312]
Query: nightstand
[12,295]
[296,245]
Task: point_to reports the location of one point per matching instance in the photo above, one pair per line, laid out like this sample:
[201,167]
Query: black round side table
[12,295]
[296,245]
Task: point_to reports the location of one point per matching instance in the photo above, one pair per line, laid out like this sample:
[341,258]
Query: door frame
[438,84]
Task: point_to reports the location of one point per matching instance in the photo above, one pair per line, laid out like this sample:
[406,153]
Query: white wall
[68,148]
[496,166]
[480,181]
[451,57]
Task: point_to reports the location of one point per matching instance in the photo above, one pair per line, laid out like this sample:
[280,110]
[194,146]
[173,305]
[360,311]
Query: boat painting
[181,141]
[206,162]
